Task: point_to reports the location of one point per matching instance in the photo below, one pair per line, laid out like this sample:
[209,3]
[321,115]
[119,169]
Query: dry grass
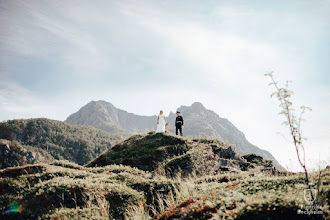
[239,196]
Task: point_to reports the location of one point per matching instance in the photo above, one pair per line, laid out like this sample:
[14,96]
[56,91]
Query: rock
[4,150]
[224,168]
[31,156]
[234,170]
[225,162]
[253,158]
[5,147]
[228,153]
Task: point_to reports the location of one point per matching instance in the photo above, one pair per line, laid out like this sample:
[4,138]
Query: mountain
[105,116]
[199,121]
[37,140]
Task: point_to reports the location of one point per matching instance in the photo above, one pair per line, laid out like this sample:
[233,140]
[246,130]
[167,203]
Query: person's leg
[176,130]
[181,131]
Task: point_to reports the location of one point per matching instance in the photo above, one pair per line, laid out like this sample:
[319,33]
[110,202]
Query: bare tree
[283,95]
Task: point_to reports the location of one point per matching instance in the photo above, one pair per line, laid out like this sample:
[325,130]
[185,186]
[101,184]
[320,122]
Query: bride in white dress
[161,122]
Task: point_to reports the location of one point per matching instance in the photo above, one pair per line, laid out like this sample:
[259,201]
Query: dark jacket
[179,121]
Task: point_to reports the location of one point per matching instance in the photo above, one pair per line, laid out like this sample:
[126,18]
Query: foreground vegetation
[159,176]
[70,191]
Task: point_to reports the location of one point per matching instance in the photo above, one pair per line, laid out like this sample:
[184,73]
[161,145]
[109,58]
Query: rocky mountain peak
[102,106]
[106,116]
[197,105]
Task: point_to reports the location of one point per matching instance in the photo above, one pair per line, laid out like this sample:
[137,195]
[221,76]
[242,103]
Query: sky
[143,56]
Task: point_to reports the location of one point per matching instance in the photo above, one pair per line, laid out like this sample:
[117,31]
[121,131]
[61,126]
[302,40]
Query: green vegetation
[78,191]
[70,191]
[44,139]
[173,154]
[242,196]
[188,179]
[143,151]
[12,153]
[66,190]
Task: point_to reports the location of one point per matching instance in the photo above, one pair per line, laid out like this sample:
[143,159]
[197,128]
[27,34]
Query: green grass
[66,190]
[69,191]
[143,151]
[240,196]
[154,151]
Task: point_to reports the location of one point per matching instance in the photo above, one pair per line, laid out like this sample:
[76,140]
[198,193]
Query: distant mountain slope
[198,122]
[79,144]
[105,116]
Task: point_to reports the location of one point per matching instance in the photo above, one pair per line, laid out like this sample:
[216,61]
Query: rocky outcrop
[174,154]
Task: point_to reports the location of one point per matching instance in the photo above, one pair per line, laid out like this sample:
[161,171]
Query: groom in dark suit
[178,123]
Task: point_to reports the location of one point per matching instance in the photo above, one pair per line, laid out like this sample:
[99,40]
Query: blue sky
[58,55]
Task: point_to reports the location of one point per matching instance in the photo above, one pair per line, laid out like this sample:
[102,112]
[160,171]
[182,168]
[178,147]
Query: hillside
[13,153]
[70,191]
[37,140]
[199,121]
[154,151]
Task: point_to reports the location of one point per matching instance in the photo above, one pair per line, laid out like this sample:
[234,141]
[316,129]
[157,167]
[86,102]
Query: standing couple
[161,123]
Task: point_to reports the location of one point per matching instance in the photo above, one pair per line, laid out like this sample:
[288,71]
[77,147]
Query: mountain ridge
[39,139]
[199,121]
[109,118]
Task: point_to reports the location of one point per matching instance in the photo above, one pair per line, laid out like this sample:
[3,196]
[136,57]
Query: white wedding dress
[161,123]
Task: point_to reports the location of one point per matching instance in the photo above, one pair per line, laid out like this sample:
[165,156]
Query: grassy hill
[70,191]
[154,151]
[149,176]
[44,138]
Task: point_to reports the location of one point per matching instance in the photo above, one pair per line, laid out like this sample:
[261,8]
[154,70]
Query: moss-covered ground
[143,189]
